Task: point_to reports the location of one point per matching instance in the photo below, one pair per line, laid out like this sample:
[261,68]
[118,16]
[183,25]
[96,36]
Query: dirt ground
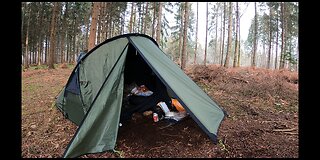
[262,121]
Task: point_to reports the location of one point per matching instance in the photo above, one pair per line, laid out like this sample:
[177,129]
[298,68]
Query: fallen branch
[284,130]
[291,133]
[240,79]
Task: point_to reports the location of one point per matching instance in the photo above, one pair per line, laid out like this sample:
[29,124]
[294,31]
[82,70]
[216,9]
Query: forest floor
[262,121]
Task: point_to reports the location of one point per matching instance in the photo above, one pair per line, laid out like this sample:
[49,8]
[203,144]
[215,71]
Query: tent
[92,97]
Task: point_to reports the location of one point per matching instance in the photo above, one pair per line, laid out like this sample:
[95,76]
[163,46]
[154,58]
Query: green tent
[92,97]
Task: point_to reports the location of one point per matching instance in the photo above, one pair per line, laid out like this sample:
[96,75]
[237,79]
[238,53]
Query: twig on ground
[240,79]
[284,130]
[291,133]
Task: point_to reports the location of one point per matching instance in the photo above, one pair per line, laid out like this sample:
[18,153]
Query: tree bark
[277,39]
[26,63]
[185,39]
[145,19]
[237,38]
[255,41]
[154,19]
[216,42]
[270,37]
[223,31]
[134,19]
[53,35]
[195,50]
[205,48]
[105,20]
[159,23]
[140,21]
[63,36]
[180,34]
[93,28]
[226,63]
[239,47]
[40,34]
[99,24]
[131,18]
[74,40]
[45,50]
[86,22]
[283,47]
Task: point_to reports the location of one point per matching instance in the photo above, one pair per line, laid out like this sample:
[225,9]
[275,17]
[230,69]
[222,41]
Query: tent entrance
[136,73]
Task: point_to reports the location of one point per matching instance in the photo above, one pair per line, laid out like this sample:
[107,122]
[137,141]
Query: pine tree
[93,28]
[205,48]
[53,35]
[253,64]
[185,39]
[195,51]
[226,63]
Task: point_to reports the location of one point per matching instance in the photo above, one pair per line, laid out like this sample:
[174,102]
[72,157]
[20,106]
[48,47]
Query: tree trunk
[223,31]
[99,24]
[74,39]
[154,18]
[277,39]
[134,19]
[74,42]
[40,34]
[140,21]
[270,38]
[32,55]
[109,26]
[145,19]
[131,18]
[205,48]
[283,37]
[93,28]
[123,22]
[102,20]
[216,42]
[236,50]
[264,56]
[63,36]
[159,23]
[180,34]
[239,39]
[46,51]
[26,63]
[226,63]
[23,10]
[53,35]
[86,22]
[142,18]
[68,48]
[195,51]
[105,21]
[255,41]
[185,39]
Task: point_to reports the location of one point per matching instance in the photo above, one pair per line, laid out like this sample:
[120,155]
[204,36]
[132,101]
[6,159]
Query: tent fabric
[99,129]
[99,77]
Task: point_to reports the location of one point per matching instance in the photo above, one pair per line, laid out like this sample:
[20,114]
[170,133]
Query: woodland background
[56,32]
